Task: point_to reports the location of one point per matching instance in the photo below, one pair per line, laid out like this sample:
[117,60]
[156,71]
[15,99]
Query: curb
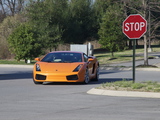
[148,69]
[115,68]
[123,93]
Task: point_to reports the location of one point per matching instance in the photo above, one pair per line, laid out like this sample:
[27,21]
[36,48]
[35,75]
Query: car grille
[40,77]
[72,77]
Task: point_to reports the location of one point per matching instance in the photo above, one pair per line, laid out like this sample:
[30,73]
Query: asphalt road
[20,99]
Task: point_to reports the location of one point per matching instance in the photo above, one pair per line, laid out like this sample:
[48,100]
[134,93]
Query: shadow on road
[28,75]
[104,80]
[15,76]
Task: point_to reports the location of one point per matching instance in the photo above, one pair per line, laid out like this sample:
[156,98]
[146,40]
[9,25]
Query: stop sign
[134,26]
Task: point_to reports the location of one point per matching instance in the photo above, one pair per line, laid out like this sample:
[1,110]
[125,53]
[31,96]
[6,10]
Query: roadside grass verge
[22,62]
[125,85]
[124,56]
[104,57]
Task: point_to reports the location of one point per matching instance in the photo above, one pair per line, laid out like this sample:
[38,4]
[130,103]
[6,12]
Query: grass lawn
[22,62]
[130,86]
[103,56]
[124,56]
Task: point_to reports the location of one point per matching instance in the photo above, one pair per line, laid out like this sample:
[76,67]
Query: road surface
[20,99]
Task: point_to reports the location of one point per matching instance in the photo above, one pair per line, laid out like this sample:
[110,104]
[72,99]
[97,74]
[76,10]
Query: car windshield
[62,57]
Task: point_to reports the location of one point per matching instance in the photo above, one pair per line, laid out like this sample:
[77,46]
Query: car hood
[58,67]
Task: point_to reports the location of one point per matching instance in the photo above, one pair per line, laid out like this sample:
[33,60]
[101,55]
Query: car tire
[37,83]
[86,77]
[97,74]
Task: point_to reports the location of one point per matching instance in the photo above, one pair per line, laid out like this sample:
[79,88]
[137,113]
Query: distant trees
[150,10]
[8,25]
[10,7]
[23,44]
[110,33]
[54,22]
[48,19]
[80,21]
[61,21]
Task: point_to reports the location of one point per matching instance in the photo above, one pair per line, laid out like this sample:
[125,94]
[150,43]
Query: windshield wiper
[48,61]
[67,61]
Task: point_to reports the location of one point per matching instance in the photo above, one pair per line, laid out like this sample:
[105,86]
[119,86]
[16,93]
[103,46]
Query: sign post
[134,51]
[134,27]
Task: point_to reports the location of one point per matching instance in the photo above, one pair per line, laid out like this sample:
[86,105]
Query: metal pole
[134,47]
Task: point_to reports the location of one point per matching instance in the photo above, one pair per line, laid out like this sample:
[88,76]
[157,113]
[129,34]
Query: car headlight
[38,67]
[77,68]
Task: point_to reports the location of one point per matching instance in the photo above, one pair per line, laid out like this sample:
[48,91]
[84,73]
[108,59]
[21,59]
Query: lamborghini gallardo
[66,66]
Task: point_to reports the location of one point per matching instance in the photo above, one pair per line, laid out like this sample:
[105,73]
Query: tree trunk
[130,44]
[112,53]
[145,51]
[145,38]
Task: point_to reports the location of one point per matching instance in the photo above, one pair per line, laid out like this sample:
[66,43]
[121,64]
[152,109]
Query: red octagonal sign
[134,26]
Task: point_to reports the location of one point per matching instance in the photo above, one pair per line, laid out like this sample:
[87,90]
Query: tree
[79,26]
[23,43]
[53,35]
[6,28]
[110,33]
[72,20]
[139,7]
[150,10]
[11,7]
[48,18]
[99,9]
[57,22]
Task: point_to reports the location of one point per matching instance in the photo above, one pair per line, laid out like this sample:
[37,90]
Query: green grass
[15,62]
[125,85]
[124,56]
[104,57]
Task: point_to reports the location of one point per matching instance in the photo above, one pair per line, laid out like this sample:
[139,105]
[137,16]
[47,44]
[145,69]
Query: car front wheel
[86,78]
[37,83]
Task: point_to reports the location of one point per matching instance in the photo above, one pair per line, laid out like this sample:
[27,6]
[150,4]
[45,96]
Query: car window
[48,58]
[85,57]
[65,57]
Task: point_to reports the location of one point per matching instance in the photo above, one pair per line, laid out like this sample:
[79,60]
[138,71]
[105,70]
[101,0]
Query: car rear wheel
[97,74]
[86,78]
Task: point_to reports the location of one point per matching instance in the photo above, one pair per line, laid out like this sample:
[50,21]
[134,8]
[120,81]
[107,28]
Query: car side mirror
[37,59]
[90,59]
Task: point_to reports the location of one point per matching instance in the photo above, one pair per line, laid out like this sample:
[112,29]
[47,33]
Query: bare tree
[150,10]
[11,7]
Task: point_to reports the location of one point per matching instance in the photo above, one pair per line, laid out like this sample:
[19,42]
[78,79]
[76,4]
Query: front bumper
[59,77]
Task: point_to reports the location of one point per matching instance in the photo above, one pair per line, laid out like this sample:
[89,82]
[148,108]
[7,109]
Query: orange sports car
[65,66]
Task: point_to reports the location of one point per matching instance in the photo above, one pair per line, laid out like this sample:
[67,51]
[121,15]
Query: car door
[89,64]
